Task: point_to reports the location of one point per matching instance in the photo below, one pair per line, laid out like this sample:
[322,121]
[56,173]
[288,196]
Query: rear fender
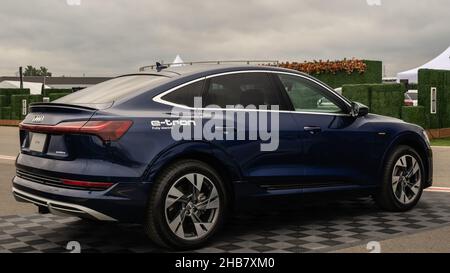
[198,150]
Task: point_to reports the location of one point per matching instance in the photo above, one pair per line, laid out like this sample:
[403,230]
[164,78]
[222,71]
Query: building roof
[35,87]
[59,80]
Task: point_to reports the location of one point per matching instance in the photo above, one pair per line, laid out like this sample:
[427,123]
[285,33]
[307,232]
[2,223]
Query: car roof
[210,69]
[176,76]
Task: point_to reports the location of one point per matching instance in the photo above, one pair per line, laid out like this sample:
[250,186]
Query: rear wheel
[402,184]
[187,206]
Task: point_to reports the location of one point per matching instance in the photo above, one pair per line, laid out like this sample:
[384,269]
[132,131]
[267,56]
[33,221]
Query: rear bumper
[60,208]
[124,202]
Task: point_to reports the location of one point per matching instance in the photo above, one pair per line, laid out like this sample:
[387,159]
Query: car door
[272,168]
[333,146]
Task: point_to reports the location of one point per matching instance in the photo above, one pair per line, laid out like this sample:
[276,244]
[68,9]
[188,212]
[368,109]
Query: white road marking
[438,189]
[440,147]
[7,157]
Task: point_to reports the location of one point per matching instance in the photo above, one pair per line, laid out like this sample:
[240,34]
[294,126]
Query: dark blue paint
[345,155]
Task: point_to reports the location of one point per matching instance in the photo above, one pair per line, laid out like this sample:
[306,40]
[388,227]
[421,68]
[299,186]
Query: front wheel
[187,206]
[402,184]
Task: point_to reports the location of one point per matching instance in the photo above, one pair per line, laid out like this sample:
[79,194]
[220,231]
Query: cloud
[117,36]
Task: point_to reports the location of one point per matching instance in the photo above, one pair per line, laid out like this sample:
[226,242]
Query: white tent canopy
[442,62]
[178,61]
[35,87]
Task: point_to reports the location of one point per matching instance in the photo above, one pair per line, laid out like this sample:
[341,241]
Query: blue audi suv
[177,149]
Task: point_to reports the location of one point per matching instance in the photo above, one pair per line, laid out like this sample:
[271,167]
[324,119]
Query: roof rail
[159,66]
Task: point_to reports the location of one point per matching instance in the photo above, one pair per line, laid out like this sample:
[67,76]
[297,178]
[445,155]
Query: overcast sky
[109,37]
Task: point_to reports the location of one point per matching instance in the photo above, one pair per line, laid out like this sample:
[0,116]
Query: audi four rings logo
[38,119]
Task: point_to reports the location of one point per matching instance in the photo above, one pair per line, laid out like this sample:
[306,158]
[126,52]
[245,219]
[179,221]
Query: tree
[32,71]
[44,72]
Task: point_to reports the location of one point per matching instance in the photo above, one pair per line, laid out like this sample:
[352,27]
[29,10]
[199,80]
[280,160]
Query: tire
[398,193]
[187,206]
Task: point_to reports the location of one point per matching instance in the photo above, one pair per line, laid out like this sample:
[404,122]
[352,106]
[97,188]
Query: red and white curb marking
[438,189]
[7,157]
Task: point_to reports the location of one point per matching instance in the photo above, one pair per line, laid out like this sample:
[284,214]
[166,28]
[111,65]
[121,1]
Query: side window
[307,96]
[243,89]
[185,95]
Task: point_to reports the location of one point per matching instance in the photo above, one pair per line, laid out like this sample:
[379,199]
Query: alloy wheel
[406,179]
[192,207]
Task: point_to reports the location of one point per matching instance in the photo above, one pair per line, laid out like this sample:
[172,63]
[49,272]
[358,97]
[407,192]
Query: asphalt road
[437,240]
[432,241]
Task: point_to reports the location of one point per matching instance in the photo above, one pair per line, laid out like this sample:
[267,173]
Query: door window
[307,96]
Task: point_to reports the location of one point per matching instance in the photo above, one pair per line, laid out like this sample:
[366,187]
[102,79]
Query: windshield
[110,91]
[411,96]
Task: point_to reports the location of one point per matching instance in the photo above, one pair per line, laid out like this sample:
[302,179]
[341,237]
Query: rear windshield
[112,90]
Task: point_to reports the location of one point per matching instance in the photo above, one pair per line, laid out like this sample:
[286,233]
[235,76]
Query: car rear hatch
[42,131]
[62,132]
[66,142]
[57,130]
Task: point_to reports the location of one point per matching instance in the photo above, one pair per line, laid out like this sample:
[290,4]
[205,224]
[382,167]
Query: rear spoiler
[91,107]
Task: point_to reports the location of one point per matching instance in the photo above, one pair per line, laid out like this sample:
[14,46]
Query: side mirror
[359,110]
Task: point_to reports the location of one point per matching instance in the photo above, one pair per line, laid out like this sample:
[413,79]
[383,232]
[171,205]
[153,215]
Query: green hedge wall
[374,74]
[10,92]
[4,101]
[36,98]
[382,99]
[16,106]
[433,121]
[5,113]
[359,93]
[387,99]
[445,104]
[413,86]
[5,95]
[415,115]
[441,80]
[55,96]
[47,92]
[11,102]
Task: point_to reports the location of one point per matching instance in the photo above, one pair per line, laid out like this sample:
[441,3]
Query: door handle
[313,129]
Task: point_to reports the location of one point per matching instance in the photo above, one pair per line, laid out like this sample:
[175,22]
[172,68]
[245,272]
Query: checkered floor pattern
[314,228]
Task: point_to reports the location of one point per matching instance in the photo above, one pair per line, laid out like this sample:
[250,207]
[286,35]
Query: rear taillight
[86,184]
[107,130]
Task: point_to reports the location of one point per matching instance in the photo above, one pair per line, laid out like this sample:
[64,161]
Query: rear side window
[256,89]
[185,95]
[112,90]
